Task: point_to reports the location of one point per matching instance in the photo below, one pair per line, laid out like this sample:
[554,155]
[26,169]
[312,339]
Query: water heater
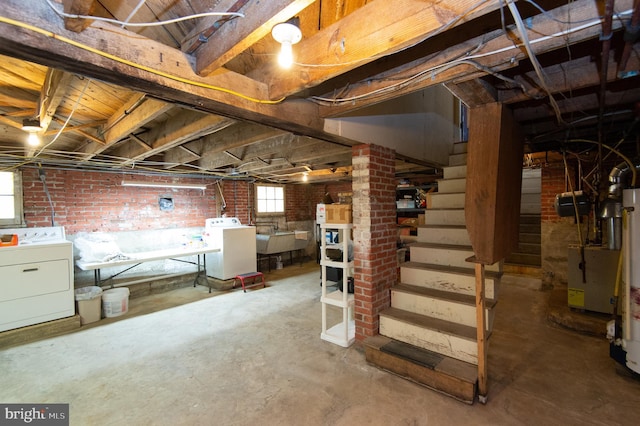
[630,284]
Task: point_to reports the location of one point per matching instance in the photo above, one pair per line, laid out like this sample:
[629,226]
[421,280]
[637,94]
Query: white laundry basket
[115,302]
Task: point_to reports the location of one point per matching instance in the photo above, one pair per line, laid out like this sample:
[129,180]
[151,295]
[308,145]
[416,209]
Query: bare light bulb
[287,34]
[285,58]
[33,139]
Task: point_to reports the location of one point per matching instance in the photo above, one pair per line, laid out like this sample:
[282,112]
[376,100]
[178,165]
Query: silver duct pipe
[611,208]
[617,178]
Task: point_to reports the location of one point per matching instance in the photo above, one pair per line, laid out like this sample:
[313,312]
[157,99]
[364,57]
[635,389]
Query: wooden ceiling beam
[134,114]
[78,7]
[474,93]
[569,76]
[183,127]
[234,37]
[147,66]
[274,145]
[80,130]
[10,96]
[235,136]
[439,68]
[55,87]
[353,42]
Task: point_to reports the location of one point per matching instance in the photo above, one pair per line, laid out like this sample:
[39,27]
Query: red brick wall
[375,259]
[239,198]
[95,201]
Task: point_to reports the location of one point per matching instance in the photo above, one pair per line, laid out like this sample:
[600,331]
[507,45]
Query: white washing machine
[237,244]
[36,277]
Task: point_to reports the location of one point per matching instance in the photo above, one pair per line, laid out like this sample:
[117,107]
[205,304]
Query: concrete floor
[257,358]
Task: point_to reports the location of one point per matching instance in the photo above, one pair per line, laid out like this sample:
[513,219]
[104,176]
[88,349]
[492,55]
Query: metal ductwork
[611,207]
[617,179]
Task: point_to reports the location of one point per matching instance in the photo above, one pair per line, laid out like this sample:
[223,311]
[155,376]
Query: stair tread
[443,246]
[443,226]
[435,361]
[453,178]
[453,269]
[448,327]
[452,377]
[442,294]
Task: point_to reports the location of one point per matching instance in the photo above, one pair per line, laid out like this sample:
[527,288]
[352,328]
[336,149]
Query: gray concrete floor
[231,358]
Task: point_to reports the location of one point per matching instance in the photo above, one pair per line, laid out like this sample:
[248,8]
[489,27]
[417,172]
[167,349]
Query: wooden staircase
[527,258]
[429,334]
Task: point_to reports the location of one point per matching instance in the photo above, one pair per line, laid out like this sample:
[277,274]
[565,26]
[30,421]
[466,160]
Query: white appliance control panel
[222,221]
[37,235]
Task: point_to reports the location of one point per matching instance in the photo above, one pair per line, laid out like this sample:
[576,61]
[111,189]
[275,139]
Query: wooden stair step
[444,234]
[528,238]
[457,270]
[529,248]
[453,172]
[460,280]
[532,219]
[444,216]
[459,147]
[453,200]
[464,299]
[446,254]
[458,159]
[452,185]
[444,305]
[444,337]
[449,376]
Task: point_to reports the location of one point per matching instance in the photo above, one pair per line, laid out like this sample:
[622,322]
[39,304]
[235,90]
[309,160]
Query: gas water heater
[628,343]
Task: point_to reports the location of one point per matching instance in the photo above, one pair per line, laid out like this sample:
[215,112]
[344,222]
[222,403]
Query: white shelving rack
[344,332]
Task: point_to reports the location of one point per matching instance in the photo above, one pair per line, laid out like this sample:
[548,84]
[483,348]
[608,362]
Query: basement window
[269,199]
[11,199]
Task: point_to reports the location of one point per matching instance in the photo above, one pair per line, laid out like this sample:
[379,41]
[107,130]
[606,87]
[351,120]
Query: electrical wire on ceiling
[437,68]
[127,62]
[534,60]
[126,23]
[55,138]
[64,126]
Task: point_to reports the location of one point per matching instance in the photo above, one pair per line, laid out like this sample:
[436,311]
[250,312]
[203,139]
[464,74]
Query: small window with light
[269,199]
[11,199]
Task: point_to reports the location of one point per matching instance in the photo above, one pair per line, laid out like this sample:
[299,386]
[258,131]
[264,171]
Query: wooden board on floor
[35,332]
[447,375]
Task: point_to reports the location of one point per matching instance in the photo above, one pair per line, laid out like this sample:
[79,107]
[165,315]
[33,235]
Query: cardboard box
[338,213]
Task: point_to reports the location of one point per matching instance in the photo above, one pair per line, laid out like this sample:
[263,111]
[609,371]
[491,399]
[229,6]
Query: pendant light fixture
[32,127]
[287,34]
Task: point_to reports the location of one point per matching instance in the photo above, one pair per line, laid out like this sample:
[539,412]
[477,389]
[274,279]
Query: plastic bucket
[88,300]
[115,302]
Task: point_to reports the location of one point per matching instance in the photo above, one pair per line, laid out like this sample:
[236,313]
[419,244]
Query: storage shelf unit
[409,212]
[344,332]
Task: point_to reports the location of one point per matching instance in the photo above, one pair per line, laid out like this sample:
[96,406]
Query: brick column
[374,234]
